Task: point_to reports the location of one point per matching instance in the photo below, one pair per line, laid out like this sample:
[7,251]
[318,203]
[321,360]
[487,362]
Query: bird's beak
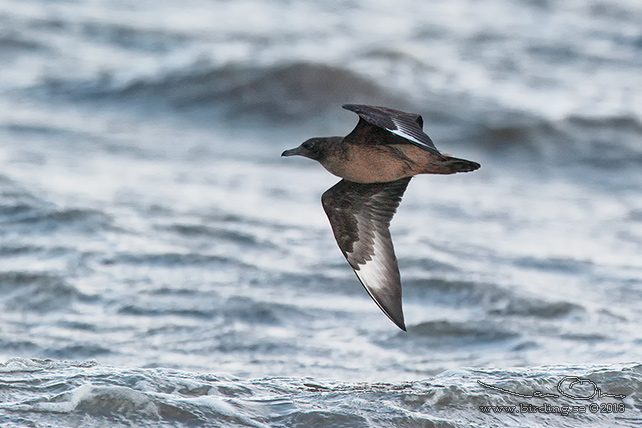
[292,152]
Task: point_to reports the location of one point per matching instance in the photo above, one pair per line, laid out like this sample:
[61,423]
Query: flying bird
[375,162]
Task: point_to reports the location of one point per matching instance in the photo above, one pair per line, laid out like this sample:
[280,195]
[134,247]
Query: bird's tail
[461,165]
[451,165]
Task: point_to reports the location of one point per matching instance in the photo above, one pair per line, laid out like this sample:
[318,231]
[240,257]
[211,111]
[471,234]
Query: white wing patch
[402,134]
[373,273]
[380,274]
[408,133]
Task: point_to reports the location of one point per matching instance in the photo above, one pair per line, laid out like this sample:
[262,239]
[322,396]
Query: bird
[375,162]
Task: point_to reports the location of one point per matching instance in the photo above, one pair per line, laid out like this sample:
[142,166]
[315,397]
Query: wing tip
[394,314]
[399,322]
[402,326]
[352,107]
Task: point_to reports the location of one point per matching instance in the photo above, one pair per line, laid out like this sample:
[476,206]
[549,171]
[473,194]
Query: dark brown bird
[376,162]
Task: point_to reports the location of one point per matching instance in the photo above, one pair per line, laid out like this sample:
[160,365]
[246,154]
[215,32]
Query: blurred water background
[161,265]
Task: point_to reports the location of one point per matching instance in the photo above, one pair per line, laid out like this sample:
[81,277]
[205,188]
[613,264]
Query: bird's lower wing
[360,217]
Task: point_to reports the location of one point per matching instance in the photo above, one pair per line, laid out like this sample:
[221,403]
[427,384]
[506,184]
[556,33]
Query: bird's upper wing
[360,216]
[406,125]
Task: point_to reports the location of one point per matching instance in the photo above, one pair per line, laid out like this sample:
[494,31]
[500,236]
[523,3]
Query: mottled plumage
[376,162]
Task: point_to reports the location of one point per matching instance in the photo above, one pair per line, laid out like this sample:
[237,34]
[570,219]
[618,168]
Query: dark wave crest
[300,91]
[292,90]
[603,142]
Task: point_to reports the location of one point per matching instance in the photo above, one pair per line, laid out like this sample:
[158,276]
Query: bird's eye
[307,145]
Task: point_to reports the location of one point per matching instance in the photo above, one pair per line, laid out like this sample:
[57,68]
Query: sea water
[161,265]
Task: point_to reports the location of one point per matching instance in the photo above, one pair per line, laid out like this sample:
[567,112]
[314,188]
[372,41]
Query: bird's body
[376,162]
[383,163]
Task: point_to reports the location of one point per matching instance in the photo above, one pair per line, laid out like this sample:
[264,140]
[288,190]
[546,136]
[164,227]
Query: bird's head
[314,148]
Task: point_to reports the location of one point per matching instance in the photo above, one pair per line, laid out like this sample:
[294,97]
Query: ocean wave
[493,298]
[57,393]
[36,292]
[12,44]
[219,234]
[212,305]
[605,143]
[22,210]
[296,90]
[532,307]
[170,259]
[130,37]
[87,220]
[462,332]
[301,91]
